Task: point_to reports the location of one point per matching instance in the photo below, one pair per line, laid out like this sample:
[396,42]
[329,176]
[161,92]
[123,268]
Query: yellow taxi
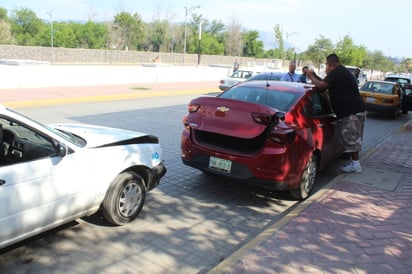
[382,96]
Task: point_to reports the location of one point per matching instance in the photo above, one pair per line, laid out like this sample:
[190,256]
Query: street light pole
[50,13]
[198,48]
[187,11]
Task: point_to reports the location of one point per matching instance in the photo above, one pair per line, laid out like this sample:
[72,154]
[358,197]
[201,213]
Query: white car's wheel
[308,179]
[124,199]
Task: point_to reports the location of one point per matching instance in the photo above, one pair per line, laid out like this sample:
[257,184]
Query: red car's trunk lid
[227,117]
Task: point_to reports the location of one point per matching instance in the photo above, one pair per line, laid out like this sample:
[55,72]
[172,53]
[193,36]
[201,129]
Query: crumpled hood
[97,136]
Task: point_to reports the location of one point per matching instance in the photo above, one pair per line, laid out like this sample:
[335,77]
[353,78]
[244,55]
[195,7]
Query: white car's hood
[96,136]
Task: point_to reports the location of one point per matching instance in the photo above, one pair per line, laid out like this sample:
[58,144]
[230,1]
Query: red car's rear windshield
[278,99]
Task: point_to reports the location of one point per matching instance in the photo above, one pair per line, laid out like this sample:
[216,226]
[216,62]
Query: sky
[376,24]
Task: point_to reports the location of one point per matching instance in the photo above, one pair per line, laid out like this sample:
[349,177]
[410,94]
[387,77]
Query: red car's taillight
[277,134]
[267,118]
[262,118]
[282,136]
[185,121]
[193,107]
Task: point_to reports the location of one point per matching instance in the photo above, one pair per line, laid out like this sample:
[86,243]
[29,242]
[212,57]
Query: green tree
[26,27]
[192,33]
[407,65]
[377,61]
[130,30]
[317,52]
[349,53]
[216,29]
[252,46]
[174,39]
[91,35]
[6,36]
[64,35]
[278,35]
[210,45]
[158,34]
[233,38]
[3,14]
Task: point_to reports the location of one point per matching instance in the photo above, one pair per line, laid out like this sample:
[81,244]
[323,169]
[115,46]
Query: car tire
[308,179]
[396,112]
[124,199]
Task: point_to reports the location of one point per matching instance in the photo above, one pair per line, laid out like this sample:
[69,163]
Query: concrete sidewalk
[359,223]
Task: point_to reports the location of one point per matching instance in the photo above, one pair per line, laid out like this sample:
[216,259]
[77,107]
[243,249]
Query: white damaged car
[51,175]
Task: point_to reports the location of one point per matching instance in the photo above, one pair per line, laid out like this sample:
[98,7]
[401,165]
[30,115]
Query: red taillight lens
[282,136]
[262,118]
[267,118]
[193,108]
[185,120]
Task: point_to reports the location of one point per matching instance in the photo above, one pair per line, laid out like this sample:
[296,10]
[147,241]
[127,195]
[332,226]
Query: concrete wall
[91,56]
[22,67]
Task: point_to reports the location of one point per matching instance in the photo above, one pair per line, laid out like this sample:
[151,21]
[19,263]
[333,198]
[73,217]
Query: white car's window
[21,144]
[244,74]
[74,139]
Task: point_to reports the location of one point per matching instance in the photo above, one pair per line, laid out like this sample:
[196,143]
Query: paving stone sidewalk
[354,227]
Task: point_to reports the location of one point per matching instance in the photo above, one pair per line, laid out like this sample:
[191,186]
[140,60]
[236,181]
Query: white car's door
[39,189]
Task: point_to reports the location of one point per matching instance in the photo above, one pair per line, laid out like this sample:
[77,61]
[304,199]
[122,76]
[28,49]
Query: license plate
[370,99]
[220,164]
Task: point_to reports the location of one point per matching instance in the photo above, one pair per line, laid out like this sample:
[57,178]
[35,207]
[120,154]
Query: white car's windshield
[74,139]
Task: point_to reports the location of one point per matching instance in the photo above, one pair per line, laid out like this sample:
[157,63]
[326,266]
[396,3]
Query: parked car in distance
[267,75]
[383,97]
[51,175]
[403,80]
[237,76]
[406,84]
[273,134]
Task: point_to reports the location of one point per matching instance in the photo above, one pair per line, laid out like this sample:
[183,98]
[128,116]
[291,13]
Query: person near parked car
[356,73]
[235,65]
[348,105]
[291,76]
[303,75]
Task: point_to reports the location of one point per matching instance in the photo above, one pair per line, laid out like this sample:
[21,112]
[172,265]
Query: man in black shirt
[347,104]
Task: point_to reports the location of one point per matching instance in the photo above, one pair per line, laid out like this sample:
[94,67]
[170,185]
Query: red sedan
[275,134]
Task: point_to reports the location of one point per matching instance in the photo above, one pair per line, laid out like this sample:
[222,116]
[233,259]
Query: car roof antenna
[267,80]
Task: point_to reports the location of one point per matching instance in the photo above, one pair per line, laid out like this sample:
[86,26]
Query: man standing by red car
[348,105]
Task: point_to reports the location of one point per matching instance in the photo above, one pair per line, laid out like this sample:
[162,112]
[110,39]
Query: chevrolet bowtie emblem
[223,109]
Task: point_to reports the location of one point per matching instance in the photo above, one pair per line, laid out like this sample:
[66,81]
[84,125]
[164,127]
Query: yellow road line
[103,98]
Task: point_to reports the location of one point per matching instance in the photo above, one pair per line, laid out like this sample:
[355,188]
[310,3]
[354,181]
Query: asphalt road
[189,223]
